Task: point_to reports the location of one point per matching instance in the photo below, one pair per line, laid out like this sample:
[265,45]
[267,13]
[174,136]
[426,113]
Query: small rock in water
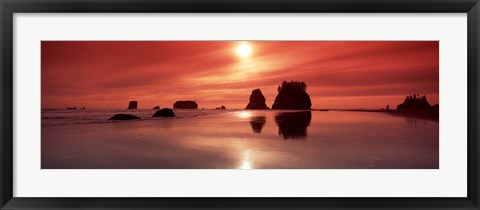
[165,112]
[132,105]
[156,107]
[124,117]
[222,107]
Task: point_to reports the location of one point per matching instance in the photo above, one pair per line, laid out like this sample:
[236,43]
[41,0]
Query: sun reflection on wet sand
[244,114]
[246,160]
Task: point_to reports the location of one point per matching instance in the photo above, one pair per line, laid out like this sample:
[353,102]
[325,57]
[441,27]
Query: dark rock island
[415,101]
[292,95]
[257,100]
[124,117]
[132,105]
[185,105]
[165,112]
[156,107]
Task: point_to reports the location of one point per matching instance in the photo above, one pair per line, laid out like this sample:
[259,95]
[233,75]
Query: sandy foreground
[247,140]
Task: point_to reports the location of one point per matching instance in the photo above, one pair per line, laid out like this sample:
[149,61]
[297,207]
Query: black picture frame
[9,7]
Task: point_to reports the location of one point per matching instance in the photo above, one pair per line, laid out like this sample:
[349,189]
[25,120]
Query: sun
[244,50]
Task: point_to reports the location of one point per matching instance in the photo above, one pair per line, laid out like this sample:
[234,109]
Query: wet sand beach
[239,139]
[425,114]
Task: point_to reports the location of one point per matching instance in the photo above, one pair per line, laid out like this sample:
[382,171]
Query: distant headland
[414,106]
[415,101]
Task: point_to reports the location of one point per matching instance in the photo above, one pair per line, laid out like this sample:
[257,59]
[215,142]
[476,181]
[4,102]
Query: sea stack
[292,95]
[257,100]
[156,107]
[415,101]
[132,105]
[185,105]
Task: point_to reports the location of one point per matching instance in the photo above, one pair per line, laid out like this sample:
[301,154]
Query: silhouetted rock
[292,95]
[132,105]
[415,102]
[71,107]
[165,112]
[124,117]
[185,105]
[293,125]
[222,107]
[156,107]
[257,123]
[257,100]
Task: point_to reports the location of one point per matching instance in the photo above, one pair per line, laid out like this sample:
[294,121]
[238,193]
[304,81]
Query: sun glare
[244,114]
[244,50]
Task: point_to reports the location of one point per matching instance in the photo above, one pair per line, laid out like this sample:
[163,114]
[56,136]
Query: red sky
[338,74]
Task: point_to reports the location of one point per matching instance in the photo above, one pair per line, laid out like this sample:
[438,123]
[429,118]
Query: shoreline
[428,114]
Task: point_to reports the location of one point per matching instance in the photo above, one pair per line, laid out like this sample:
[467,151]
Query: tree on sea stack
[292,95]
[415,101]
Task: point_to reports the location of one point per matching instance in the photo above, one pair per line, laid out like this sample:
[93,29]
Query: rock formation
[165,112]
[156,107]
[415,101]
[222,107]
[132,105]
[257,100]
[124,117]
[185,105]
[293,125]
[292,95]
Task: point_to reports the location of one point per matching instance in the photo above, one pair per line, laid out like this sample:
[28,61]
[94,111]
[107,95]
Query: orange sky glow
[338,74]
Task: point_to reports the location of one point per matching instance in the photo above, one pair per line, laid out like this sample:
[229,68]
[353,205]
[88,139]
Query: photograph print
[240,104]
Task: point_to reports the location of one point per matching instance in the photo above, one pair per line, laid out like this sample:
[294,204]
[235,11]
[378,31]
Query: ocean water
[237,139]
[78,116]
